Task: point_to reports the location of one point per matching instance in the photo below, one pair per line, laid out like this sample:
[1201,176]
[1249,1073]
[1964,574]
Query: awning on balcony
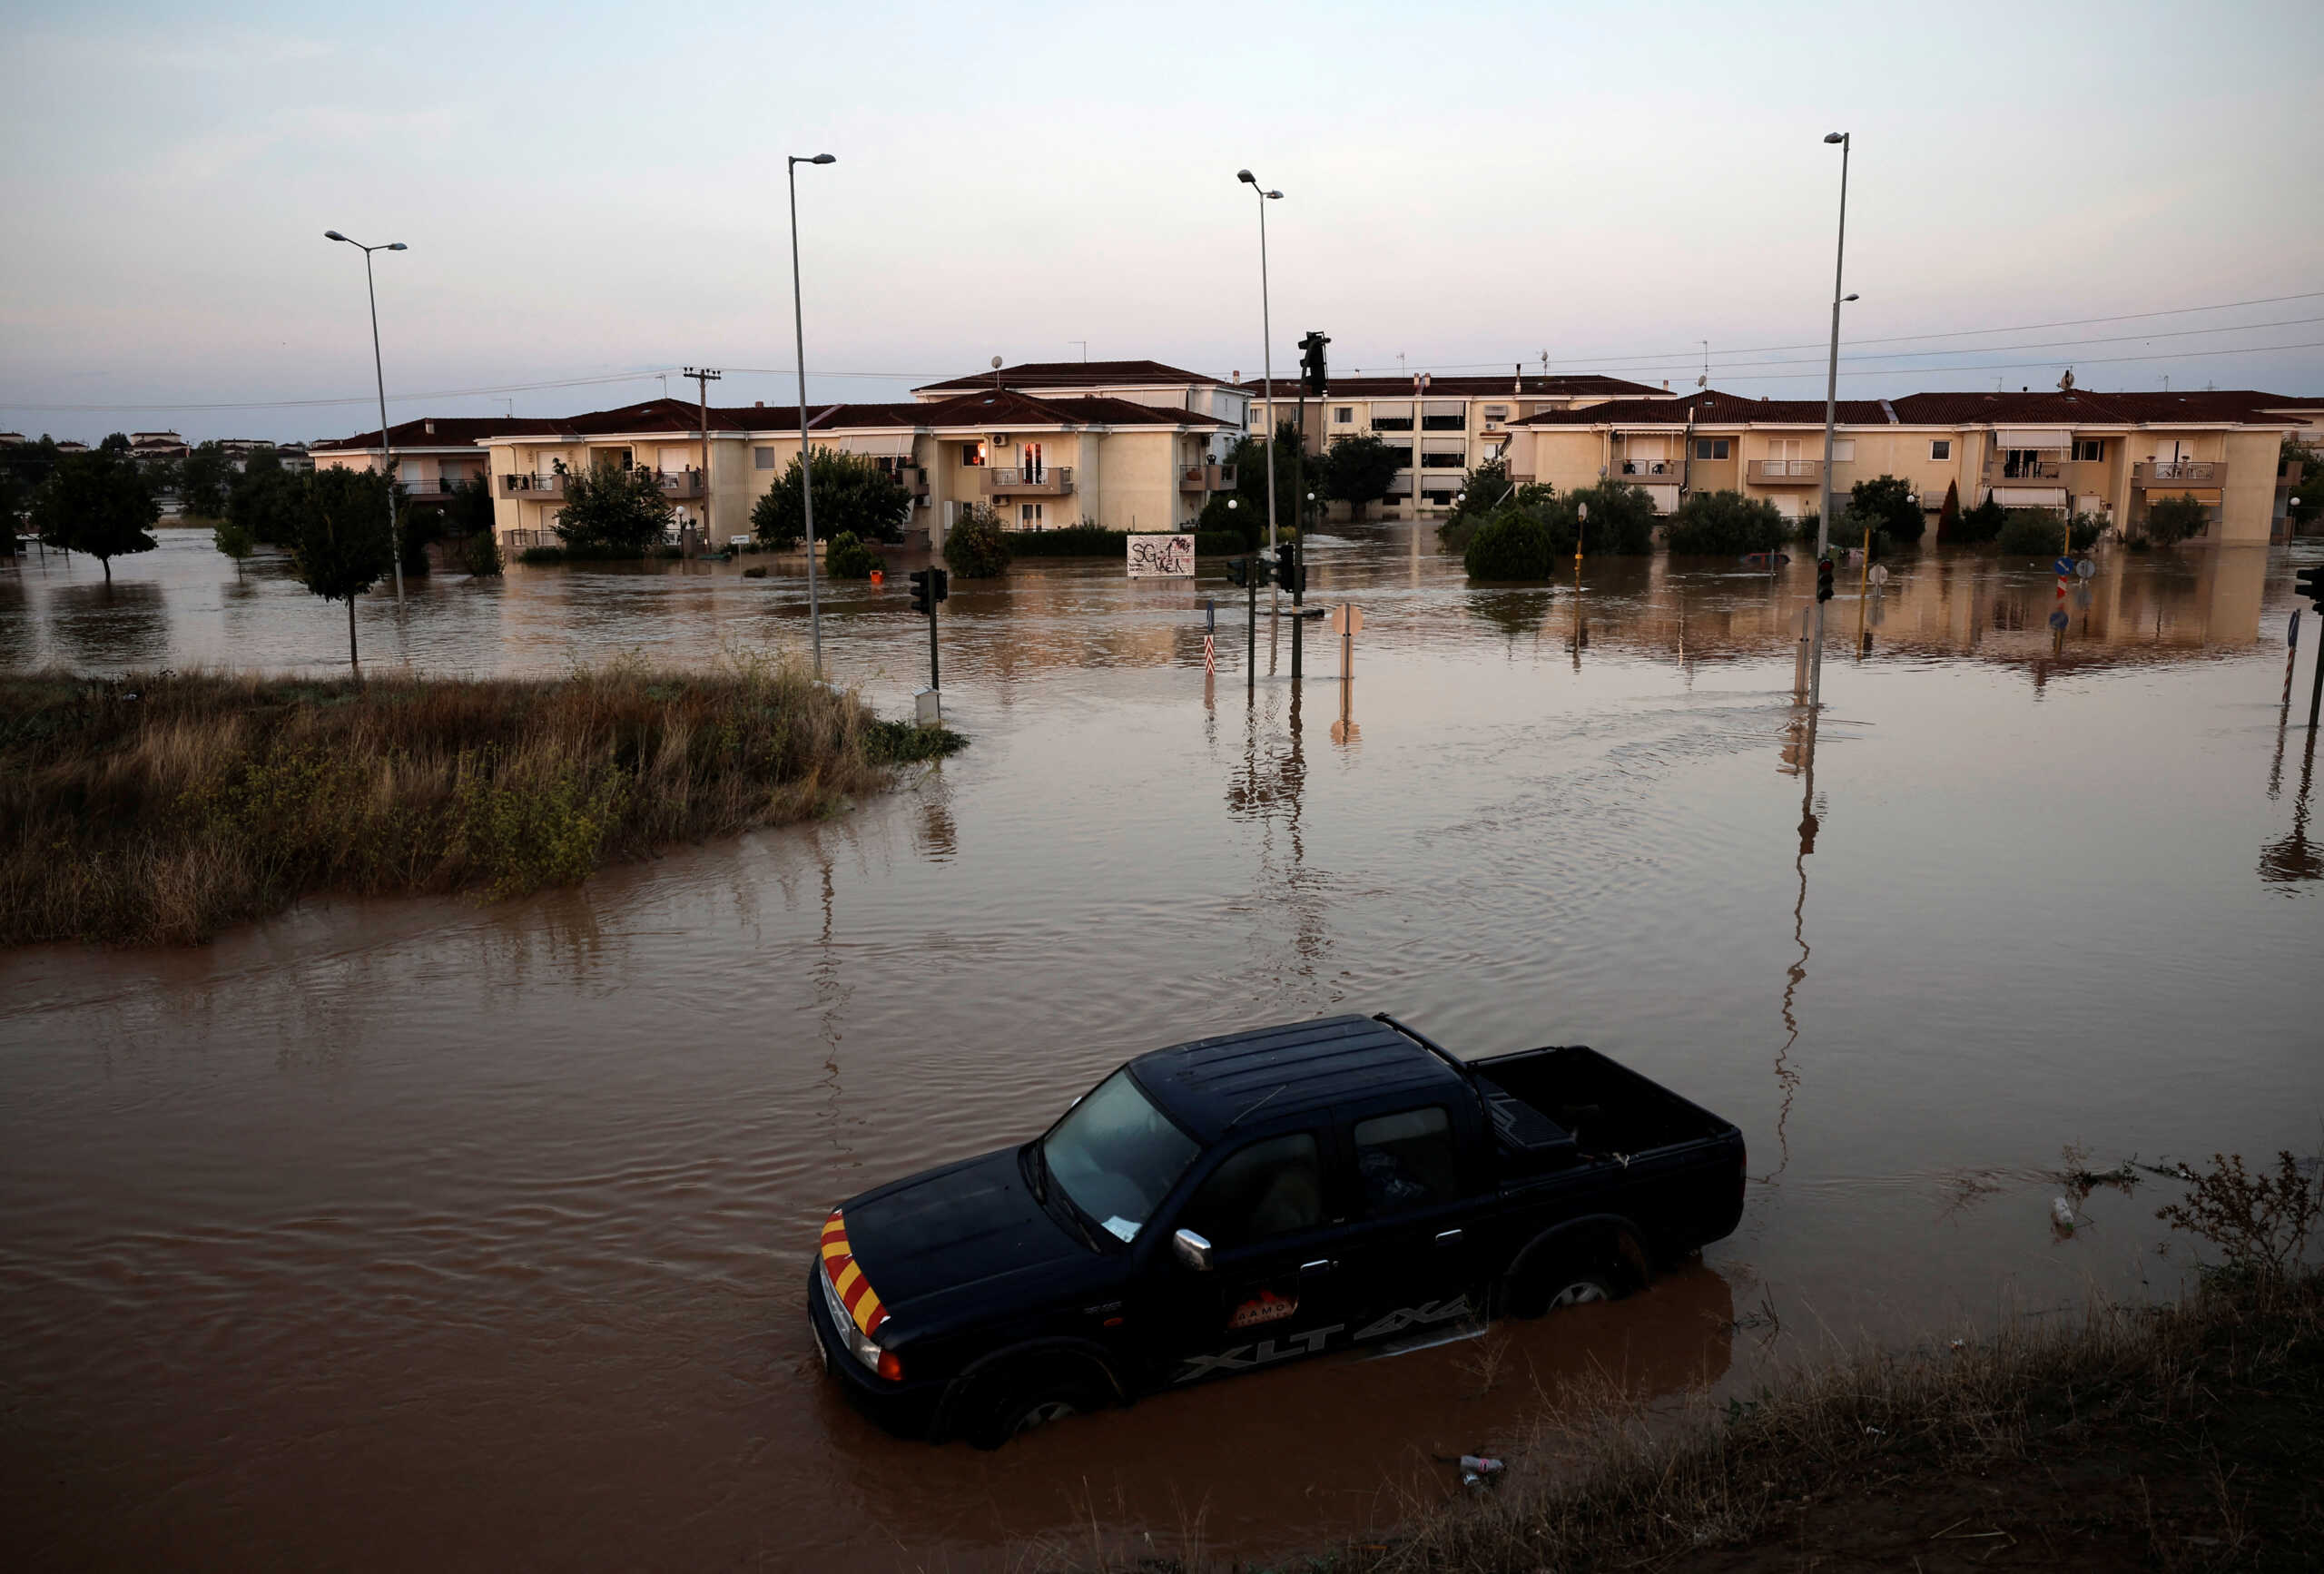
[2029,497]
[872,445]
[1444,406]
[1392,409]
[1444,445]
[2032,437]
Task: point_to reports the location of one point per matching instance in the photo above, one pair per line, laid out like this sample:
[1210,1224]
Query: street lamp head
[1837,137]
[824,159]
[335,235]
[397,246]
[1847,298]
[1236,502]
[1247,177]
[1275,196]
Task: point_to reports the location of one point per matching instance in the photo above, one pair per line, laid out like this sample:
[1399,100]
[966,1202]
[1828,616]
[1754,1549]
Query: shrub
[977,547]
[2170,520]
[854,496]
[848,558]
[1516,544]
[482,556]
[1980,524]
[1073,541]
[1621,518]
[2043,532]
[2261,1222]
[234,540]
[1948,518]
[1726,522]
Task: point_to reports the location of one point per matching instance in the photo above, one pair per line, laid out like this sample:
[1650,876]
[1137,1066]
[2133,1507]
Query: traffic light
[928,587]
[1289,572]
[943,585]
[1312,375]
[1239,569]
[1824,579]
[2311,584]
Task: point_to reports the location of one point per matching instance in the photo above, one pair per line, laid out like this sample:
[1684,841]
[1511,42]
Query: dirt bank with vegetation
[2187,1436]
[157,809]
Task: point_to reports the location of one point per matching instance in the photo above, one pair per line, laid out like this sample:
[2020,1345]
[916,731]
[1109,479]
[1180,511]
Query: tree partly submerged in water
[99,503]
[343,546]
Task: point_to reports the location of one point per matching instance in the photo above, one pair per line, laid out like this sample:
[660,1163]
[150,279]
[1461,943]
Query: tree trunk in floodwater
[351,659]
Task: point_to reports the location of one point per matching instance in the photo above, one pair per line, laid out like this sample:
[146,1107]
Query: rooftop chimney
[431,425]
[1238,374]
[758,404]
[1666,385]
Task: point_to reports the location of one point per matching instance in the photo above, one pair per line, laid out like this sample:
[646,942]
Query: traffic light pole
[935,679]
[1251,639]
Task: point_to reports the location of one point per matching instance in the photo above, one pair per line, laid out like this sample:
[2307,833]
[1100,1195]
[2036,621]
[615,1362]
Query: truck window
[1405,1160]
[1270,1189]
[1116,1155]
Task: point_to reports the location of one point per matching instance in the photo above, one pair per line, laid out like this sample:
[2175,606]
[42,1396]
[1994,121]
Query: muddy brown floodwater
[422,1232]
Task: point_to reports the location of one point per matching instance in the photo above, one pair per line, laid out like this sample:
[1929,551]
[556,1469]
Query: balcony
[1783,472]
[912,478]
[2179,473]
[681,483]
[1650,472]
[2025,472]
[535,488]
[1011,480]
[1206,478]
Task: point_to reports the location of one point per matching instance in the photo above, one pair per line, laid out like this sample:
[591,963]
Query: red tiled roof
[1048,374]
[2079,407]
[451,431]
[1583,385]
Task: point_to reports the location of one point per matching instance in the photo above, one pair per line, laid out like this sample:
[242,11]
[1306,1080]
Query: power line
[1995,348]
[2040,365]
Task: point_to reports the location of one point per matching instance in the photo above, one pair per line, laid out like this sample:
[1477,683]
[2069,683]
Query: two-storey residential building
[1447,426]
[432,454]
[2110,455]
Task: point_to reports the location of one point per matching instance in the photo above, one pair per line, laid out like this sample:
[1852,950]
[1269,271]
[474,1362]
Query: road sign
[2085,568]
[1347,619]
[2065,565]
[2058,620]
[1879,574]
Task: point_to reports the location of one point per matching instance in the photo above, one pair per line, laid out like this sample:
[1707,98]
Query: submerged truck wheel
[1014,1400]
[1551,1274]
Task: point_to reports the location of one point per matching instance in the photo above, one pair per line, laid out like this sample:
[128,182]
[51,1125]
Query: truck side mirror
[1192,1249]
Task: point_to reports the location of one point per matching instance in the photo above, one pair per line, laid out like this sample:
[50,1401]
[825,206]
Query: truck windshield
[1116,1157]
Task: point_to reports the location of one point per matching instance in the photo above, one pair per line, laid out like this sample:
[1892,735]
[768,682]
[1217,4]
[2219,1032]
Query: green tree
[99,503]
[13,495]
[2170,520]
[343,545]
[1948,518]
[1249,457]
[1886,503]
[611,509]
[235,541]
[2043,532]
[1356,470]
[1711,523]
[976,547]
[2310,487]
[1518,543]
[853,496]
[202,479]
[114,443]
[468,510]
[267,499]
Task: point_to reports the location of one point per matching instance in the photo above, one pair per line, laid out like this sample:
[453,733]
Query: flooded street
[432,1232]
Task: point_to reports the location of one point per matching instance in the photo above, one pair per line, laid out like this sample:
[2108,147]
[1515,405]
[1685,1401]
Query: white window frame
[1940,450]
[763,459]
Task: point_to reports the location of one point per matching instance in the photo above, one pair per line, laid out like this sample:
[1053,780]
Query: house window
[1940,447]
[973,454]
[1442,462]
[1343,416]
[1392,423]
[763,459]
[1843,451]
[1710,447]
[1440,497]
[1029,517]
[1442,423]
[1496,412]
[2089,450]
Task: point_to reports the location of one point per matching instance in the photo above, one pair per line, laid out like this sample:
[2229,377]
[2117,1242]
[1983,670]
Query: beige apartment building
[1447,426]
[432,454]
[2111,455]
[1042,463]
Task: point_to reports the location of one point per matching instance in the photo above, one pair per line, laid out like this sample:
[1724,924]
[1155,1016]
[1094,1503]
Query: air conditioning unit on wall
[999,439]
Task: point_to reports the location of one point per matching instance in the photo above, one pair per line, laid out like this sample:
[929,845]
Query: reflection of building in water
[2137,609]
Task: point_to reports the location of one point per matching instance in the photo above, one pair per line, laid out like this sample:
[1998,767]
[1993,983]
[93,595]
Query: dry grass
[2181,1437]
[158,809]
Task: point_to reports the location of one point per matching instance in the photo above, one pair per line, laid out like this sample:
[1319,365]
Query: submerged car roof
[1211,1084]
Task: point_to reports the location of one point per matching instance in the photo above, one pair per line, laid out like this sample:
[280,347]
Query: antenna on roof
[1704,380]
[996,374]
[1545,363]
[2066,383]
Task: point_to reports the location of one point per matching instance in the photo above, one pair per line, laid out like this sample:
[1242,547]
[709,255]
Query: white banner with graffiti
[1161,557]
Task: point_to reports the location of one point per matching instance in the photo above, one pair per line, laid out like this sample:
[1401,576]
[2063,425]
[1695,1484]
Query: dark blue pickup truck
[1229,1204]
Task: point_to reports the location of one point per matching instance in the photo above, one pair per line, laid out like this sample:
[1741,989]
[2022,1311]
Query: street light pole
[1266,371]
[379,377]
[1831,415]
[806,466]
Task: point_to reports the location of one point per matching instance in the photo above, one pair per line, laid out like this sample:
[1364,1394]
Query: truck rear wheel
[1565,1279]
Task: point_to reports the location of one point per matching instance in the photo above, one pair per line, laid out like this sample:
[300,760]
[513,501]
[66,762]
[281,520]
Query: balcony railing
[1783,472]
[912,478]
[432,489]
[534,489]
[2179,473]
[1206,478]
[1650,472]
[681,483]
[1047,481]
[2025,472]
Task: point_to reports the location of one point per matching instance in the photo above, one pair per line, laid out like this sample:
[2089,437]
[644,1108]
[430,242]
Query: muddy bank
[160,807]
[2179,1437]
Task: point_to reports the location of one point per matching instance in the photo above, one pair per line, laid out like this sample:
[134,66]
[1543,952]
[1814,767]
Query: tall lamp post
[1831,415]
[806,465]
[379,376]
[1266,370]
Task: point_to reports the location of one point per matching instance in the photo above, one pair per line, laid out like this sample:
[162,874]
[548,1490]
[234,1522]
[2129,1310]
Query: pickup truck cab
[1230,1203]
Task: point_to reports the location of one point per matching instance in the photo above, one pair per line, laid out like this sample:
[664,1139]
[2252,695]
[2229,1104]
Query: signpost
[1347,622]
[929,587]
[1209,638]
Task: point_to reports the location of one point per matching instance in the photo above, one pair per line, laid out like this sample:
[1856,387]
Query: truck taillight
[890,1367]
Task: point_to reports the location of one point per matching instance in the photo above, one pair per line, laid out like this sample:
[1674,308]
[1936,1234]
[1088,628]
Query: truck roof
[1208,1085]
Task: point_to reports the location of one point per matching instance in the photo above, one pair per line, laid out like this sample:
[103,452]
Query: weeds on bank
[162,807]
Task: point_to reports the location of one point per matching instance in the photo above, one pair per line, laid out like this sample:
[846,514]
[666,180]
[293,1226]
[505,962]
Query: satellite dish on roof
[996,363]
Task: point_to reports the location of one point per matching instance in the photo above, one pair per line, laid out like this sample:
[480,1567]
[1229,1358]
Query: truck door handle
[1320,1265]
[1448,1237]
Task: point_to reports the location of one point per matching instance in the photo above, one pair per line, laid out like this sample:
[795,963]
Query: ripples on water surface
[392,1233]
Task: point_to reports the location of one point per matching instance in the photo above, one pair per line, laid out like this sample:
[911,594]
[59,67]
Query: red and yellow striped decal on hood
[847,1278]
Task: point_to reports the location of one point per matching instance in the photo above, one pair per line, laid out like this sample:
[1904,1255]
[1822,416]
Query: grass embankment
[2183,1437]
[159,807]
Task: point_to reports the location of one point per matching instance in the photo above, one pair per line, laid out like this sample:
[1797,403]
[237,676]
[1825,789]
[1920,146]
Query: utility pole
[703,378]
[379,379]
[1266,364]
[1831,413]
